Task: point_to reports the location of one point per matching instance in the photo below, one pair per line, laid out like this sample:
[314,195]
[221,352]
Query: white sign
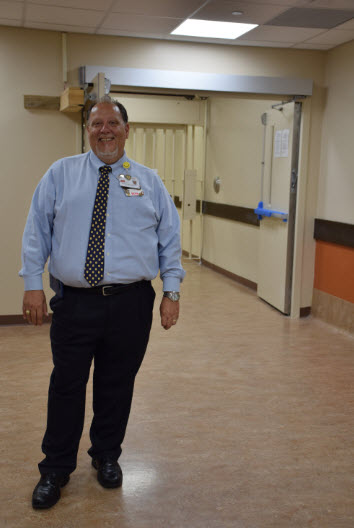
[281,143]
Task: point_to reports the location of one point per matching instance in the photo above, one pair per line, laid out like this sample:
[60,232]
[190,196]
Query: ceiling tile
[261,43]
[283,3]
[62,15]
[333,36]
[311,18]
[252,13]
[157,18]
[163,8]
[308,45]
[281,34]
[140,23]
[333,4]
[8,22]
[347,25]
[11,10]
[135,34]
[60,27]
[102,5]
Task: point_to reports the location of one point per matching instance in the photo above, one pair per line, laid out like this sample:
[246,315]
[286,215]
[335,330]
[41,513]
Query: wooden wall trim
[230,275]
[335,232]
[41,102]
[231,212]
[228,212]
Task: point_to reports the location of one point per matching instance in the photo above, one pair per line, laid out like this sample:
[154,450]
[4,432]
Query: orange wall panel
[334,270]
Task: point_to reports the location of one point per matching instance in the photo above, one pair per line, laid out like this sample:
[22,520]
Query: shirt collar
[97,163]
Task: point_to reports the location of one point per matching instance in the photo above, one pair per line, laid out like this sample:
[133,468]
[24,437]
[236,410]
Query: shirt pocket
[136,213]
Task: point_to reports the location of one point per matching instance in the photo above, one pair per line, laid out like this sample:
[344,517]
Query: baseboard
[305,312]
[333,310]
[185,253]
[230,275]
[6,320]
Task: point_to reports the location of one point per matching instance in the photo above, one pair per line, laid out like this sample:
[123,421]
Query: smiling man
[109,226]
[108,130]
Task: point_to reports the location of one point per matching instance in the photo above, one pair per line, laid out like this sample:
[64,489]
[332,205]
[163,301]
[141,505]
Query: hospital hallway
[242,418]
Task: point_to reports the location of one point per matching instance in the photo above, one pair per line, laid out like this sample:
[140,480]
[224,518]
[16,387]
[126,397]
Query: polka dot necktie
[94,264]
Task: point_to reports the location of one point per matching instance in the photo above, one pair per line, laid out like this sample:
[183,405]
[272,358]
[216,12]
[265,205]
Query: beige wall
[32,62]
[186,56]
[336,185]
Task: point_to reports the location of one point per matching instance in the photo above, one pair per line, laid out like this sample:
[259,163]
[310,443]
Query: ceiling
[306,24]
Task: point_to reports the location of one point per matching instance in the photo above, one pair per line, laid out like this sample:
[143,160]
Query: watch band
[172,295]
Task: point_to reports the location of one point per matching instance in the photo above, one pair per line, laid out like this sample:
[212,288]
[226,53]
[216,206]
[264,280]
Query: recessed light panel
[212,29]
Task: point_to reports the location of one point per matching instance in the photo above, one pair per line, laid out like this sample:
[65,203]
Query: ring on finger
[28,312]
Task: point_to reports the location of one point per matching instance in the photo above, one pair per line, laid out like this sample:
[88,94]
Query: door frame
[295,154]
[301,273]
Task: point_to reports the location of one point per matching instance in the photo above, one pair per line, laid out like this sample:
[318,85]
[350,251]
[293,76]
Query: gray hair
[108,100]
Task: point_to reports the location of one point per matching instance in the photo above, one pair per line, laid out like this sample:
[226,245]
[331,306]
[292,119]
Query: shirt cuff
[171,284]
[33,283]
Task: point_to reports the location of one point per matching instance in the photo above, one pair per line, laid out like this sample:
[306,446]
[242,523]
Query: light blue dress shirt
[142,232]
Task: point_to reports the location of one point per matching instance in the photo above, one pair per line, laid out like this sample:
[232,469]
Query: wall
[139,53]
[143,53]
[334,282]
[336,184]
[30,63]
[32,60]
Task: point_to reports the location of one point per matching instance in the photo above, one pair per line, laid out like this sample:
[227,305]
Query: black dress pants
[113,331]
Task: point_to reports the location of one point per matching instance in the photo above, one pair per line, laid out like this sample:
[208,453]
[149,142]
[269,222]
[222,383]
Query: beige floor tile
[242,418]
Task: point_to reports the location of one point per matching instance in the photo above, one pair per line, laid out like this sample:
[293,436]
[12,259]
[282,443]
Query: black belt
[106,289]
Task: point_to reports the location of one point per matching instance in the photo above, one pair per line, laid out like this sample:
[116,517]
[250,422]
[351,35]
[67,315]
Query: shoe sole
[107,484]
[46,507]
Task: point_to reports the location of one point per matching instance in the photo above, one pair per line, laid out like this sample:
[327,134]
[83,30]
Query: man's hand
[34,306]
[169,311]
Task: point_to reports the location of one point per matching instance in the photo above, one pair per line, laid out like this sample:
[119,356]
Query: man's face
[107,132]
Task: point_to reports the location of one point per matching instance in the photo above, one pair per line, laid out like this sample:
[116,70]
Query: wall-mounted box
[72,100]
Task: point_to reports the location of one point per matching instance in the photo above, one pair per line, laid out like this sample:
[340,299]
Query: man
[108,225]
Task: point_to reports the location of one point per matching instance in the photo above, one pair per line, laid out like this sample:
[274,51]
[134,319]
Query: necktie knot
[105,170]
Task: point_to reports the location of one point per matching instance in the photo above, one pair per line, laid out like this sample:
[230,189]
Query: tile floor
[242,418]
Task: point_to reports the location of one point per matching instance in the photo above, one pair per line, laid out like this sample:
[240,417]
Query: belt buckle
[104,291]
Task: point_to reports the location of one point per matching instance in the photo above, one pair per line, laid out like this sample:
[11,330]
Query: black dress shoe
[47,491]
[109,473]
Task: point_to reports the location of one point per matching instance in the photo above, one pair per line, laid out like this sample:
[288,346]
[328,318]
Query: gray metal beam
[208,82]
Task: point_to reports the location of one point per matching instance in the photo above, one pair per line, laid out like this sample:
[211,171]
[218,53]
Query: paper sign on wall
[281,143]
[277,144]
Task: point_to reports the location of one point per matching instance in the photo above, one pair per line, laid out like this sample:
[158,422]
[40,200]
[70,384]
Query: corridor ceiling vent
[312,18]
[212,29]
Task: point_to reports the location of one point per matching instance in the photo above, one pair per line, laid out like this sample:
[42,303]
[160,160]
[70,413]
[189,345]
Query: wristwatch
[172,295]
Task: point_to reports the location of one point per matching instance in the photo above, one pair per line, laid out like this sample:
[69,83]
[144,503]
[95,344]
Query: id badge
[134,192]
[128,182]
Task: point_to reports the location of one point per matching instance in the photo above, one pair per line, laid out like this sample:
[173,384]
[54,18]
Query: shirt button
[108,253]
[108,234]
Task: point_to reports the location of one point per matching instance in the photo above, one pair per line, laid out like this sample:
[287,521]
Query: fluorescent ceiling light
[212,29]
